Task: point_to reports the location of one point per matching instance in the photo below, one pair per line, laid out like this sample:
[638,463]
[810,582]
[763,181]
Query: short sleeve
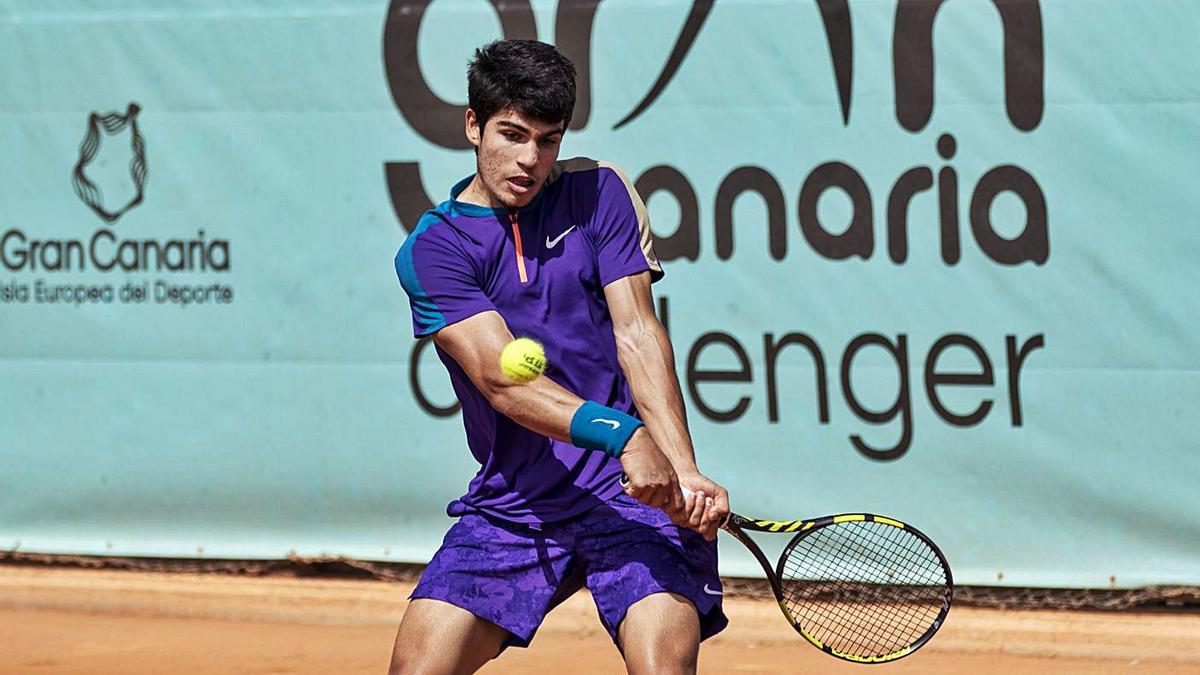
[439,278]
[624,245]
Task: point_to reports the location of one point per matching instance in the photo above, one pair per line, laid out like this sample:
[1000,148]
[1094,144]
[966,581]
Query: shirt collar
[477,211]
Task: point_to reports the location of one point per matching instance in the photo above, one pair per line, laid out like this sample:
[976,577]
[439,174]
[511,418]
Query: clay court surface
[67,620]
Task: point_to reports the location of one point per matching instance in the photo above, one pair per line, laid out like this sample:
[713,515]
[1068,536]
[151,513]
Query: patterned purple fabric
[513,574]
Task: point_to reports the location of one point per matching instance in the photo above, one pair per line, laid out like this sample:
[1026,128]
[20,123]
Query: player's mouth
[521,184]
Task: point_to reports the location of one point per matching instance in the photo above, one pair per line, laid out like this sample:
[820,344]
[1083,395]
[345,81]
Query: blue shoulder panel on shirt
[429,318]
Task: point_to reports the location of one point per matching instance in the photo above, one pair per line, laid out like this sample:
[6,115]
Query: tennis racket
[857,586]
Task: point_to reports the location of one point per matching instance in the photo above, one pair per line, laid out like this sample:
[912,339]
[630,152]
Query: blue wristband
[598,427]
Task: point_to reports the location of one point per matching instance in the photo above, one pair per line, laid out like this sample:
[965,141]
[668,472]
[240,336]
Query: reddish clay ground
[59,621]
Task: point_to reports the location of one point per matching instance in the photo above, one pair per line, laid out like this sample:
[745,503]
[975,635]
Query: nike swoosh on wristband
[615,424]
[710,591]
[551,243]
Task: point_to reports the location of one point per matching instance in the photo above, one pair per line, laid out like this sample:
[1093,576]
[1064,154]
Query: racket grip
[686,492]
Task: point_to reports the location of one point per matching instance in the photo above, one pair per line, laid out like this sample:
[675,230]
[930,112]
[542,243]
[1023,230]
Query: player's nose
[528,157]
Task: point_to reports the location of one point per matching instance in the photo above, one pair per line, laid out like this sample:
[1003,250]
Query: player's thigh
[438,637]
[661,634]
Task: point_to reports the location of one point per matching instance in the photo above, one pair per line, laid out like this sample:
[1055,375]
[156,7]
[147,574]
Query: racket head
[862,587]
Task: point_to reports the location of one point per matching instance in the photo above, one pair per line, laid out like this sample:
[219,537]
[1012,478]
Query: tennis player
[560,252]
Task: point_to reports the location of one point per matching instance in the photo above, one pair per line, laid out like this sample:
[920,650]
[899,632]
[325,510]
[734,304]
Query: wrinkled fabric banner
[933,260]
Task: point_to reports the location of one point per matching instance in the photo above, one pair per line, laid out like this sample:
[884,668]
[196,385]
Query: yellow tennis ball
[522,360]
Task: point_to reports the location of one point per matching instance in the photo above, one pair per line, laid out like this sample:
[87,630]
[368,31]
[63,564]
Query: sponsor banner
[926,259]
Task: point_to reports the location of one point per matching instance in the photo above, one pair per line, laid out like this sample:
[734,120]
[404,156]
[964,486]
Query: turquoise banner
[928,259]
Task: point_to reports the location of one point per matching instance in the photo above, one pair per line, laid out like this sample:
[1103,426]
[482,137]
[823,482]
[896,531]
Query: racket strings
[864,588]
[864,634]
[855,569]
[870,632]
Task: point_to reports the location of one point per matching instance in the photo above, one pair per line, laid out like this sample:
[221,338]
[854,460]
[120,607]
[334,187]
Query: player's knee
[423,662]
[437,637]
[407,660]
[674,656]
[414,652]
[664,655]
[661,634]
[402,664]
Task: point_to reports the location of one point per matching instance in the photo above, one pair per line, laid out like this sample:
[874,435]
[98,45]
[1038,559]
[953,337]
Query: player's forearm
[648,361]
[542,406]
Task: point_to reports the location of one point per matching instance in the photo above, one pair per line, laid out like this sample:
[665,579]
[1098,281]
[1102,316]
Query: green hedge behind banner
[933,260]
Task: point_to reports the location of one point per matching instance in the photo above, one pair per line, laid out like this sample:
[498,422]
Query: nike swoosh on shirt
[615,424]
[710,591]
[551,243]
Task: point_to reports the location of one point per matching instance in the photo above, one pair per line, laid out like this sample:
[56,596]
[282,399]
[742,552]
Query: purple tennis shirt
[543,268]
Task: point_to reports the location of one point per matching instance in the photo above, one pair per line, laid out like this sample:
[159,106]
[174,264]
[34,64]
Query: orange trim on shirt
[512,218]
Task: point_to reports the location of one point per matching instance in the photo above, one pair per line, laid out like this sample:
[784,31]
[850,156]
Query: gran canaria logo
[112,124]
[104,251]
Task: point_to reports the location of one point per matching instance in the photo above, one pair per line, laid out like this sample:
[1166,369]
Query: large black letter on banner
[1033,244]
[859,238]
[902,406]
[1024,65]
[436,120]
[684,242]
[751,179]
[409,199]
[835,15]
[414,383]
[573,24]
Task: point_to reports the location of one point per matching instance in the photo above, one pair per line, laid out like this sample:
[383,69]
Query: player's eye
[512,136]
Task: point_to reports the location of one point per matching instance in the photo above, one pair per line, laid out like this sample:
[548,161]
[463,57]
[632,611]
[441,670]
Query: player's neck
[476,193]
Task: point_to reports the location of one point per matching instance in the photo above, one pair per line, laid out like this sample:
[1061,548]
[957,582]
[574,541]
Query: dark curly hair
[530,76]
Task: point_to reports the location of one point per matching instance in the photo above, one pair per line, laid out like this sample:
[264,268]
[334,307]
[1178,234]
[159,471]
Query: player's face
[515,157]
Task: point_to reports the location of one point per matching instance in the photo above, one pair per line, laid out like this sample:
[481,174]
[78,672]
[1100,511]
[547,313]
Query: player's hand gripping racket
[860,587]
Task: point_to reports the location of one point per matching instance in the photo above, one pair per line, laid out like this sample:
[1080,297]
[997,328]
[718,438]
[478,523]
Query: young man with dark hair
[560,252]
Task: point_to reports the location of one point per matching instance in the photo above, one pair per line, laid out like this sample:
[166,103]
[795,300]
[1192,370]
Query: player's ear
[474,133]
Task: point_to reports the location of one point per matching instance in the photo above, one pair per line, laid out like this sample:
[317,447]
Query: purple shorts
[513,574]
